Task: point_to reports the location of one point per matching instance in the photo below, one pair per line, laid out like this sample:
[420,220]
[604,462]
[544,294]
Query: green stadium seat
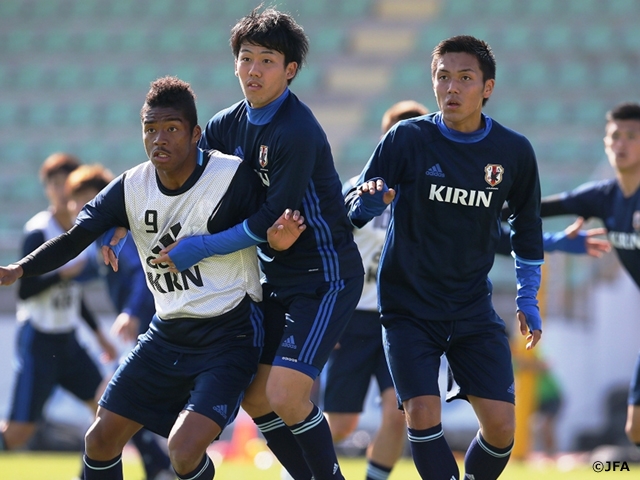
[233,10]
[328,39]
[457,8]
[122,114]
[433,33]
[42,114]
[514,37]
[18,41]
[84,9]
[69,76]
[10,10]
[314,9]
[542,8]
[548,111]
[614,74]
[210,40]
[597,38]
[622,8]
[501,7]
[582,7]
[143,74]
[9,114]
[573,74]
[589,111]
[353,8]
[506,112]
[162,9]
[43,9]
[96,41]
[555,37]
[31,76]
[133,40]
[171,40]
[630,39]
[202,9]
[307,79]
[58,41]
[412,75]
[532,74]
[105,76]
[79,114]
[123,9]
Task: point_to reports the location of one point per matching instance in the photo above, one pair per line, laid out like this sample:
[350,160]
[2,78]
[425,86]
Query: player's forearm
[56,252]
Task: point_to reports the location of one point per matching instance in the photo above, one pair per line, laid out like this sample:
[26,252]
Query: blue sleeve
[528,275]
[559,241]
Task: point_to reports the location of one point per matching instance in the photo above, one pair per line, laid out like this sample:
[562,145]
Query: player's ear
[488,87]
[291,69]
[197,133]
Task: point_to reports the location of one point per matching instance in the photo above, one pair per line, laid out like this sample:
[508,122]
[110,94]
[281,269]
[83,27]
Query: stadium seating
[74,70]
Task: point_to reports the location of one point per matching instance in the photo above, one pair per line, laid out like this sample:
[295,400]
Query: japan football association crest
[636,221]
[493,174]
[264,151]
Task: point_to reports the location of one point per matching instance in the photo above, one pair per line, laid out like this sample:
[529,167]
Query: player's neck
[629,181]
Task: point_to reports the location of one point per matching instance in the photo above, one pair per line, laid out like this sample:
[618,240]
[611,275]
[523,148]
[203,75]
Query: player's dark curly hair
[272,29]
[624,111]
[171,92]
[471,45]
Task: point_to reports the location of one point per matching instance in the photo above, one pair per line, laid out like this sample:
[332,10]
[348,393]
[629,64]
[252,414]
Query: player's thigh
[480,359]
[413,349]
[38,356]
[316,316]
[192,434]
[79,373]
[634,387]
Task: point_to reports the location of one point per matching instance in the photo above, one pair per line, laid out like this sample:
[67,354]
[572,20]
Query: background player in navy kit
[314,286]
[359,354]
[131,299]
[48,311]
[451,172]
[616,202]
[186,376]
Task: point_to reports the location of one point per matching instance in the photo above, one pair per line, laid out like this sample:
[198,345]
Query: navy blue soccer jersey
[445,219]
[286,146]
[621,216]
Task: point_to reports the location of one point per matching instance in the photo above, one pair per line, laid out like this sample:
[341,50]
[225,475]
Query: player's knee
[184,456]
[499,434]
[17,435]
[98,445]
[632,429]
[341,428]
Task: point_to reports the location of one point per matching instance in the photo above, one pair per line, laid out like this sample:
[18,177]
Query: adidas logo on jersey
[221,409]
[469,198]
[435,171]
[290,343]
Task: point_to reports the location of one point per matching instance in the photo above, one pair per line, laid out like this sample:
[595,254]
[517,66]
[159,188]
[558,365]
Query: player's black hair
[471,45]
[272,29]
[171,92]
[624,111]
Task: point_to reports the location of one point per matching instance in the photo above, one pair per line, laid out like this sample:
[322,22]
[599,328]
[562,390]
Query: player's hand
[596,247]
[126,327]
[9,274]
[163,260]
[109,352]
[286,230]
[108,255]
[373,186]
[532,336]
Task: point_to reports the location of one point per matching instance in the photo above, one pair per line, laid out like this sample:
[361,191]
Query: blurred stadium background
[73,75]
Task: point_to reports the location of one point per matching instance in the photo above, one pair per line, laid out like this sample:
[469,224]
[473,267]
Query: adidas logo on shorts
[290,343]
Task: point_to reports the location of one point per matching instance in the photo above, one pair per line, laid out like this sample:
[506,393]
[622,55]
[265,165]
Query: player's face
[170,144]
[460,90]
[79,200]
[622,144]
[54,189]
[262,73]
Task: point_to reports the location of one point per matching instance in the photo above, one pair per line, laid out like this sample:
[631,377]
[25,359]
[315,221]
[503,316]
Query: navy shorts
[350,367]
[634,389]
[304,322]
[158,380]
[45,360]
[477,350]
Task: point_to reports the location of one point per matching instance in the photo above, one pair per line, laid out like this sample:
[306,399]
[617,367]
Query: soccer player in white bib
[186,376]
